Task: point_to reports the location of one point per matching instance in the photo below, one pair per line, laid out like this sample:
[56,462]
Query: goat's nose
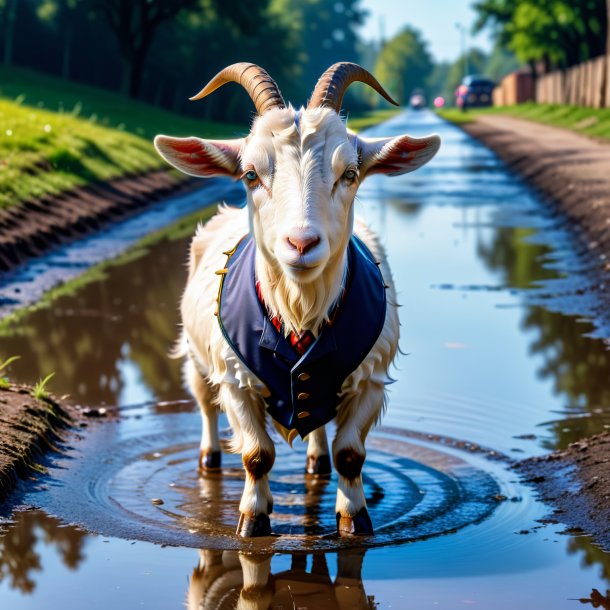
[303,241]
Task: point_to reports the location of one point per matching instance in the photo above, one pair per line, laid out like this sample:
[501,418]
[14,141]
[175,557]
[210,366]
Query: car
[417,101]
[475,92]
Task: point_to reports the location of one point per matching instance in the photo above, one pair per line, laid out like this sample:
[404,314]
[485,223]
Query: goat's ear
[395,156]
[198,157]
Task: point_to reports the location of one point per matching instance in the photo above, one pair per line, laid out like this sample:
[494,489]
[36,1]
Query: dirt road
[573,173]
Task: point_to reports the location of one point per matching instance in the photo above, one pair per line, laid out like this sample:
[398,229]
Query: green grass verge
[594,122]
[456,116]
[55,136]
[361,121]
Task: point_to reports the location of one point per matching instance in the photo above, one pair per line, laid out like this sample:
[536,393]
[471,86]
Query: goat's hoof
[253,526]
[358,525]
[209,460]
[318,466]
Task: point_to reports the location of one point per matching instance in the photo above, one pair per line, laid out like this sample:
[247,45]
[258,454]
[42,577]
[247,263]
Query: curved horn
[256,81]
[331,86]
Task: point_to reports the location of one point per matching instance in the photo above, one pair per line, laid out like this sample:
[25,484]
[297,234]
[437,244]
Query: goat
[289,308]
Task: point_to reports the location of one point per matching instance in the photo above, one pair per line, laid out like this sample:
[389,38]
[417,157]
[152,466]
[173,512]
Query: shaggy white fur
[301,170]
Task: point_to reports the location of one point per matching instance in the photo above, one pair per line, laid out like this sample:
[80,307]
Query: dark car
[475,92]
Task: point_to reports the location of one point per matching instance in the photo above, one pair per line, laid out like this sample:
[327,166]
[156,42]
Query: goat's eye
[350,175]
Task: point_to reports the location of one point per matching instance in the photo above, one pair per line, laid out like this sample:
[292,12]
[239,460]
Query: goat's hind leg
[318,455]
[354,421]
[209,449]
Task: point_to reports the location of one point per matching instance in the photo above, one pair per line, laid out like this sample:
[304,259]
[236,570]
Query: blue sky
[436,20]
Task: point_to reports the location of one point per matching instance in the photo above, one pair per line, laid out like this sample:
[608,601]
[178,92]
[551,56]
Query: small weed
[39,391]
[4,382]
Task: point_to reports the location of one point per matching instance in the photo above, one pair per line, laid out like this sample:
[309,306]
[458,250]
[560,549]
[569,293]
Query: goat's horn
[256,81]
[331,86]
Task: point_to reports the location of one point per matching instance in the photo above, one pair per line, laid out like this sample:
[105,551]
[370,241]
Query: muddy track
[572,173]
[576,482]
[34,227]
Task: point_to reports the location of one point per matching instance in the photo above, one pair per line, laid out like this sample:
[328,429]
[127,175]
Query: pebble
[157,501]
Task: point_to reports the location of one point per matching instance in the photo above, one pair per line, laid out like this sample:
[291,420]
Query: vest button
[304,377]
[303,396]
[303,414]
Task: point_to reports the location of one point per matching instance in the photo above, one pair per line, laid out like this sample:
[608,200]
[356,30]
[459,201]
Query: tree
[9,15]
[553,33]
[404,64]
[324,32]
[135,24]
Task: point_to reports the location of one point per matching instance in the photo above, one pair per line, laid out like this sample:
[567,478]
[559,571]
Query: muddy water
[498,355]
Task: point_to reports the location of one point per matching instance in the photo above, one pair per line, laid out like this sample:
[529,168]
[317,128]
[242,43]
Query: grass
[593,122]
[4,381]
[456,116]
[56,136]
[362,121]
[39,391]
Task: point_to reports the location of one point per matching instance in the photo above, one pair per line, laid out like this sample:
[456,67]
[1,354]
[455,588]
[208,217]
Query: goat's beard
[301,306]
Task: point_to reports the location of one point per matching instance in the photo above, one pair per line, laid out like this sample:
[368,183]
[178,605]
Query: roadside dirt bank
[573,173]
[33,227]
[28,428]
[576,482]
[570,170]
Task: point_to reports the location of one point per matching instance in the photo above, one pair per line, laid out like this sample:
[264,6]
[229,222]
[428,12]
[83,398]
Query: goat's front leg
[209,449]
[318,457]
[354,420]
[246,415]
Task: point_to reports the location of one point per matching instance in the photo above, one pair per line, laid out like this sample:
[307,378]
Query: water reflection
[91,340]
[576,364]
[227,580]
[20,556]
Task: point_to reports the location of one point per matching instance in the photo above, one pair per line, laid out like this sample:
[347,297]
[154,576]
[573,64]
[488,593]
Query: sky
[436,19]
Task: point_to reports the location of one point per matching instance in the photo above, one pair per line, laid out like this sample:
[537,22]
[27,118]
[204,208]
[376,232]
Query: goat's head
[301,168]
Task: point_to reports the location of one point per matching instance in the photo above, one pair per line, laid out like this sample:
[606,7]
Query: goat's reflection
[226,580]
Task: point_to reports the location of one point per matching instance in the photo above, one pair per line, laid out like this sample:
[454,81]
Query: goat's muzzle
[302,241]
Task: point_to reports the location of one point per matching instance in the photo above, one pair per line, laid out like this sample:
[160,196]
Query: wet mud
[29,427]
[576,482]
[34,227]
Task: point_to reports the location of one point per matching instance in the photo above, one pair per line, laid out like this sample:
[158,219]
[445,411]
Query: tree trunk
[605,101]
[67,54]
[10,14]
[126,77]
[137,72]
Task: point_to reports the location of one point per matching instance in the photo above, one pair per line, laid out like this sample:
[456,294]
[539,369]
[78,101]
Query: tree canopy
[404,64]
[557,33]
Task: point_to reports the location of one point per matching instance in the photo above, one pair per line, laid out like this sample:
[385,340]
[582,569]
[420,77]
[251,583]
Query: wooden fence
[587,84]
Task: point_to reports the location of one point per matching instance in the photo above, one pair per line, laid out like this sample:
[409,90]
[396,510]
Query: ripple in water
[413,492]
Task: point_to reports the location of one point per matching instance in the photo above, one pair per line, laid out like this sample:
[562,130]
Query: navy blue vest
[304,390]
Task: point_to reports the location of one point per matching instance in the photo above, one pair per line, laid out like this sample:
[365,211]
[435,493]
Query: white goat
[285,311]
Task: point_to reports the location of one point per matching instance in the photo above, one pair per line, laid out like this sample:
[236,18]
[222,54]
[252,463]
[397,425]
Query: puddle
[498,353]
[138,482]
